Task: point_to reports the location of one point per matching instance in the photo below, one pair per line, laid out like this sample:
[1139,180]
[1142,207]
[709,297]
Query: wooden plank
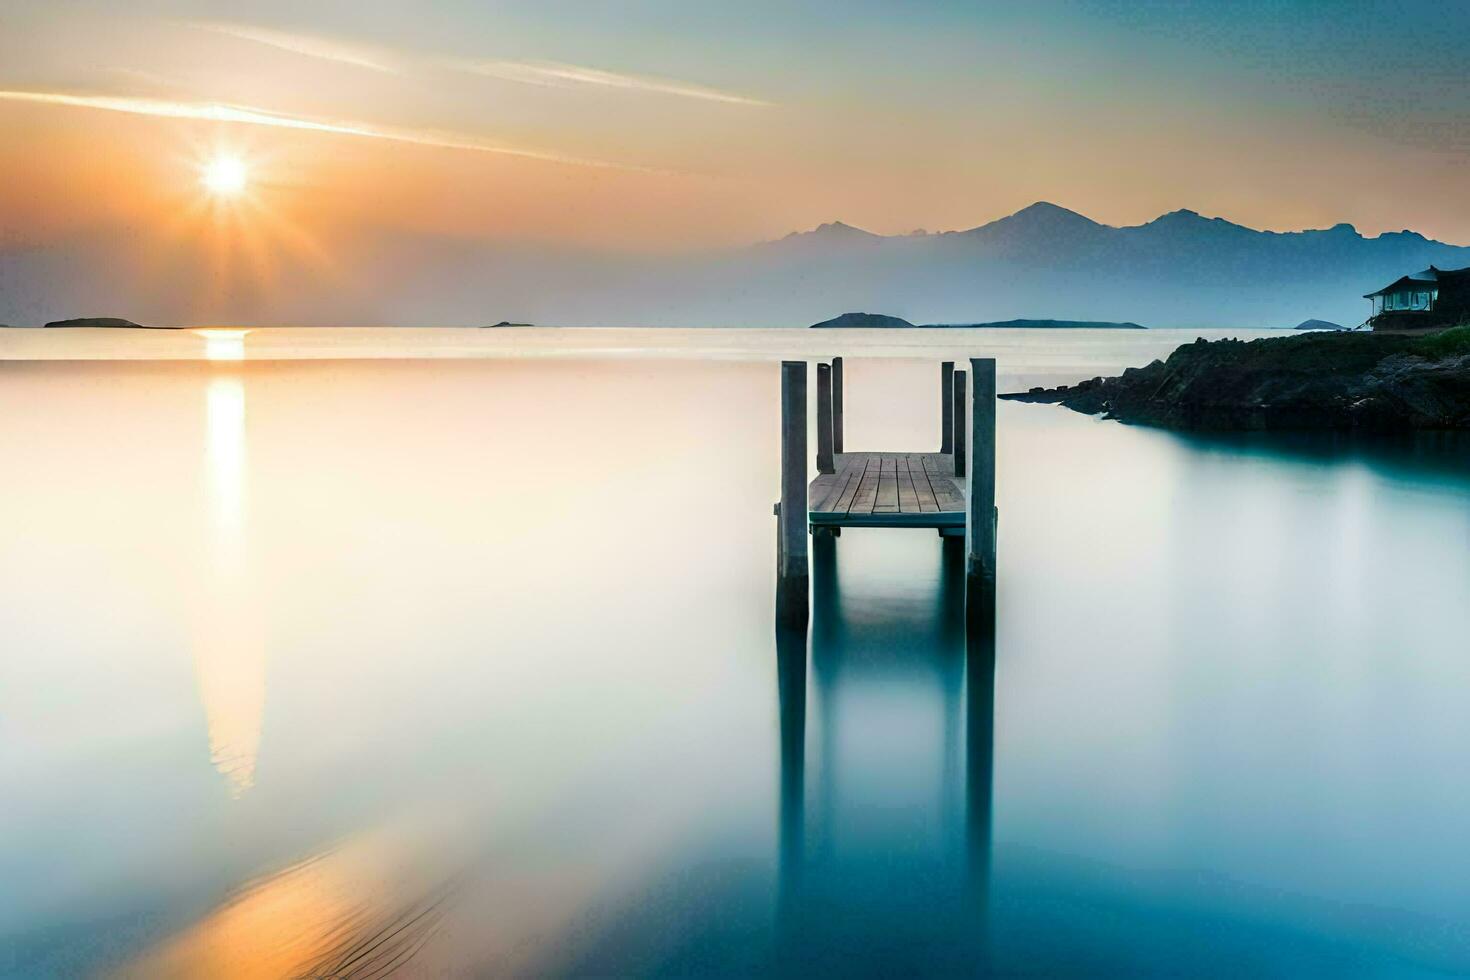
[834,487]
[946,494]
[825,488]
[926,500]
[908,500]
[881,485]
[867,494]
[939,464]
[887,501]
[922,489]
[844,502]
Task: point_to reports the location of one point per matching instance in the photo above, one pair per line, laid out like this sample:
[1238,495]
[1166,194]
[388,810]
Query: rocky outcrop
[1313,381]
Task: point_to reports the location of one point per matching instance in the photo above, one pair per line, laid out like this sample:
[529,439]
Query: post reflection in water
[229,657]
[892,871]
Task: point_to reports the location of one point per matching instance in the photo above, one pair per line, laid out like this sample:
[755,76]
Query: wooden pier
[952,491]
[889,490]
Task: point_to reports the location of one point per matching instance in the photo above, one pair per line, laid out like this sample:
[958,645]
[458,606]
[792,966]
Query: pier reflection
[886,866]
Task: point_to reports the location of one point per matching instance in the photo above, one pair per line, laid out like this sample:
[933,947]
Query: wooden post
[792,576]
[837,405]
[824,419]
[980,565]
[946,407]
[958,409]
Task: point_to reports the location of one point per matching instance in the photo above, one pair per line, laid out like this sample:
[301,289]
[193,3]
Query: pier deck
[889,490]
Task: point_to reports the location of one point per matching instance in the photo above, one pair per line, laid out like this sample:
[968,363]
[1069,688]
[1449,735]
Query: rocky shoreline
[1321,381]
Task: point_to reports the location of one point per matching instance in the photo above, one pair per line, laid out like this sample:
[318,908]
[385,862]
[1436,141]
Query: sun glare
[223,345]
[224,176]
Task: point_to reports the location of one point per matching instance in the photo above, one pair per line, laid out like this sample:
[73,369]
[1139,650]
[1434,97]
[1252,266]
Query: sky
[670,125]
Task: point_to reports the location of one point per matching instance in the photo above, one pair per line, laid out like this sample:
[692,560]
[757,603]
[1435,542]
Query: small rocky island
[885,322]
[1316,380]
[105,321]
[852,321]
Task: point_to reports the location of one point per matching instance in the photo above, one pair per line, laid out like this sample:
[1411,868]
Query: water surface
[468,666]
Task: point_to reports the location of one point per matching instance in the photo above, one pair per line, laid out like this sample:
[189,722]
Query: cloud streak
[547,74]
[557,75]
[312,46]
[219,112]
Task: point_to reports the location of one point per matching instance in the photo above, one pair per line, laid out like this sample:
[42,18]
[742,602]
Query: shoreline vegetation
[1318,380]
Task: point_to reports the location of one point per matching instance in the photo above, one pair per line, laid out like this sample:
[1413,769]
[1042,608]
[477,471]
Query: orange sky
[670,128]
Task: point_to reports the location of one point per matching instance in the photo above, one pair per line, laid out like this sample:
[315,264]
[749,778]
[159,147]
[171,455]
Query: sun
[224,176]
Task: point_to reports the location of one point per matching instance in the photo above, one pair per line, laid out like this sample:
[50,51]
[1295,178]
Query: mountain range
[1043,262]
[1181,269]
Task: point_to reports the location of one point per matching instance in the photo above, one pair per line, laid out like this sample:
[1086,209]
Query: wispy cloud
[310,45]
[544,73]
[218,112]
[555,74]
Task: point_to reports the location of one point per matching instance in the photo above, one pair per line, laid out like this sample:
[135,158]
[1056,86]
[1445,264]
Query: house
[1428,300]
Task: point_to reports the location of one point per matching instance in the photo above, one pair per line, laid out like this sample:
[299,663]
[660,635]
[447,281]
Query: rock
[506,323]
[94,321]
[1347,381]
[1318,325]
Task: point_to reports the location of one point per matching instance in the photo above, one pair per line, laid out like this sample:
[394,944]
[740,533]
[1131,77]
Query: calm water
[467,667]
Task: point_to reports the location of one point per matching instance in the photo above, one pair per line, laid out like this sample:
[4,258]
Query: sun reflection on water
[229,657]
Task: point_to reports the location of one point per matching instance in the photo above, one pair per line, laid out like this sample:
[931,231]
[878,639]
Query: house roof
[1428,277]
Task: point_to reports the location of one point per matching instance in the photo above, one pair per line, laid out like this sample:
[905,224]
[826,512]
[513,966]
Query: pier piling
[825,430]
[957,409]
[792,575]
[837,405]
[980,564]
[946,407]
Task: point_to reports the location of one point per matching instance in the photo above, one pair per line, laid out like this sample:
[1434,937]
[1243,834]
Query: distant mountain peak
[834,231]
[1039,223]
[1184,224]
[1047,211]
[1187,216]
